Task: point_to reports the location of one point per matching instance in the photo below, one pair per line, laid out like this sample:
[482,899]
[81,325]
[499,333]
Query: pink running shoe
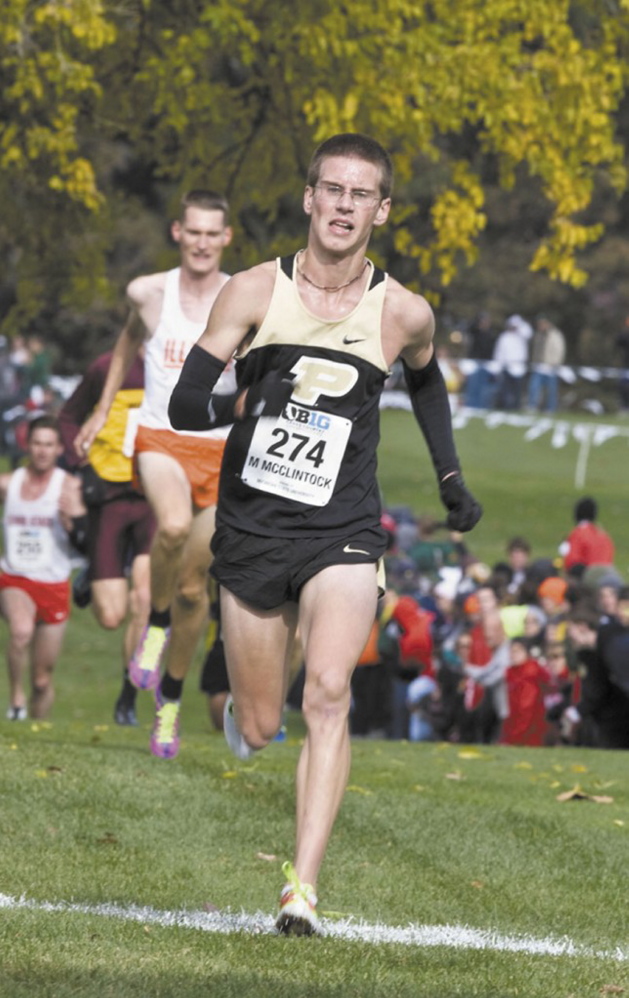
[144,667]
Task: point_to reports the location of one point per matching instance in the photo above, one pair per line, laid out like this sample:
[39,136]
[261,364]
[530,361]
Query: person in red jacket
[587,544]
[527,681]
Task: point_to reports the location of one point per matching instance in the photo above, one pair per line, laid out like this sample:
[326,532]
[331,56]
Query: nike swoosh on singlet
[350,550]
[361,339]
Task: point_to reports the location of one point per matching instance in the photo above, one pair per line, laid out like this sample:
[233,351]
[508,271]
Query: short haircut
[584,612]
[42,423]
[519,544]
[356,146]
[208,200]
[586,509]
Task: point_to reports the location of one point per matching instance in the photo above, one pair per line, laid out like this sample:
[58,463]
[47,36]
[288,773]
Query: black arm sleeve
[193,406]
[429,398]
[78,533]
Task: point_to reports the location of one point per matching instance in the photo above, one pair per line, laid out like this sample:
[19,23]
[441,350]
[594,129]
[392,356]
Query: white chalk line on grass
[348,930]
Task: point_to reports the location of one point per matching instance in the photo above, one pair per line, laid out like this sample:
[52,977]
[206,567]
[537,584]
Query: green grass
[428,834]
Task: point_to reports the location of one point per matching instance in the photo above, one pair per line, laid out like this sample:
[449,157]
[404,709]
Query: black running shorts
[268,571]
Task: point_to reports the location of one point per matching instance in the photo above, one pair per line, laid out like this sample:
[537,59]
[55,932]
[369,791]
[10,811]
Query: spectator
[432,553]
[607,595]
[622,346]
[451,375]
[479,385]
[511,355]
[457,723]
[406,647]
[423,700]
[20,359]
[601,718]
[535,629]
[38,367]
[564,689]
[548,351]
[371,684]
[587,543]
[553,597]
[527,682]
[8,377]
[485,691]
[518,557]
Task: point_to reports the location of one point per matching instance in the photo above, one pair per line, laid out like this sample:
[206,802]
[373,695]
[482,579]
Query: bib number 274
[297,461]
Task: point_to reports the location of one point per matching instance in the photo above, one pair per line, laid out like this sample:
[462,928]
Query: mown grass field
[433,836]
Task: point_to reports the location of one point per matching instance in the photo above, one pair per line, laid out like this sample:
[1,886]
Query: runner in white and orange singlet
[178,471]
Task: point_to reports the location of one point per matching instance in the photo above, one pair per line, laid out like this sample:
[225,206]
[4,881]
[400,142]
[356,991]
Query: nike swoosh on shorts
[361,339]
[350,550]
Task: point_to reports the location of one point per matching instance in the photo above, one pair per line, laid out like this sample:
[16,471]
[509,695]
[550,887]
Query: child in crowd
[527,682]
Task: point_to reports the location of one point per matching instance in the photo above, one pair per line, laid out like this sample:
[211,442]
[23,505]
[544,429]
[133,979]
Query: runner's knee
[260,728]
[22,634]
[140,602]
[172,536]
[109,617]
[191,592]
[325,693]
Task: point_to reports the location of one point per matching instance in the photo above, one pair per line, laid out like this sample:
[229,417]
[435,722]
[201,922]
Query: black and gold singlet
[313,467]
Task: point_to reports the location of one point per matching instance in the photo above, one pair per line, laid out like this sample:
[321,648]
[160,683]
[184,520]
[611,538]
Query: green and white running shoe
[298,907]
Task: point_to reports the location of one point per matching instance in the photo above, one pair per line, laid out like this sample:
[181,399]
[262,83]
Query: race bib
[29,549]
[297,455]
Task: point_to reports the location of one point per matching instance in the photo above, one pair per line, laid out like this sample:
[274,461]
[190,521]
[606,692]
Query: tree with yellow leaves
[236,92]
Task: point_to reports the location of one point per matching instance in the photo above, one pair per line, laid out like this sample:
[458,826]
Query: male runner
[121,522]
[298,535]
[42,514]
[178,471]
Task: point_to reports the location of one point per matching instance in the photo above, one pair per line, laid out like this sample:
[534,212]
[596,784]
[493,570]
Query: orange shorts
[199,457]
[52,599]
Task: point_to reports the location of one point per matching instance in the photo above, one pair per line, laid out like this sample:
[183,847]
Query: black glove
[269,395]
[463,510]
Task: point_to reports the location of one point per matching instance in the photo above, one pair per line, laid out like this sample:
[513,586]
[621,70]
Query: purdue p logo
[315,376]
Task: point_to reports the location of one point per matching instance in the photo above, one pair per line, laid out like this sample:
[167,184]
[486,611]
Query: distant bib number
[297,455]
[29,548]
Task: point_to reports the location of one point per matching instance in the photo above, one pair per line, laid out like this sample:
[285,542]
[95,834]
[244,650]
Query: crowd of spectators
[25,391]
[529,651]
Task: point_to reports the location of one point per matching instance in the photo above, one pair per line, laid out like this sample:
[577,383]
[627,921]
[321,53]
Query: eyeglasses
[332,194]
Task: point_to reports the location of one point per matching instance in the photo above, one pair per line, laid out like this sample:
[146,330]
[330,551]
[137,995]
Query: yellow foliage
[238,91]
[47,65]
